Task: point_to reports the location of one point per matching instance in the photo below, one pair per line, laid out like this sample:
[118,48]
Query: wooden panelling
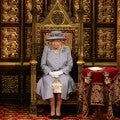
[100,39]
[101,18]
[15,50]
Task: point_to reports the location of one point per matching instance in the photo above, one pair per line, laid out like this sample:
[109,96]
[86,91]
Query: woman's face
[56,44]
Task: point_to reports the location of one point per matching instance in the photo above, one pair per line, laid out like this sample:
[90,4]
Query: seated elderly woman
[56,83]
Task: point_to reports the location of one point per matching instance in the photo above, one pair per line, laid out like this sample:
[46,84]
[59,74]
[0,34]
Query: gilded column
[33,61]
[118,35]
[80,61]
[33,107]
[80,43]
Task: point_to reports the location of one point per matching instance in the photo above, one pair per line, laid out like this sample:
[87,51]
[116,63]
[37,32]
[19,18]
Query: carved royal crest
[57,17]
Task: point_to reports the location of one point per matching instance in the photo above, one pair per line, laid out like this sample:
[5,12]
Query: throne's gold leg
[33,105]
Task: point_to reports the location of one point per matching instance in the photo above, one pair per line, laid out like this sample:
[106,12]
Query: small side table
[99,86]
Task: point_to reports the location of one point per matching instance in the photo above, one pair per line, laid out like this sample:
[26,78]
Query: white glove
[54,74]
[59,72]
[51,74]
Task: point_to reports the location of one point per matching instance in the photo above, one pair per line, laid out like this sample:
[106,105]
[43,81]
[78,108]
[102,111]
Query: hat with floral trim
[56,35]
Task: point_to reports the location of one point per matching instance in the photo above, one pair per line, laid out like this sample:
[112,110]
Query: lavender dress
[52,61]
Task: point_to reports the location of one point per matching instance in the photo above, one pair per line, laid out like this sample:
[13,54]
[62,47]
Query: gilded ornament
[57,18]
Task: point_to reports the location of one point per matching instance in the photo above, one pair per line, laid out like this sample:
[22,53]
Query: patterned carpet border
[13,112]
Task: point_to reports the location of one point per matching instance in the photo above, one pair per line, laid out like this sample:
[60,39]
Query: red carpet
[15,112]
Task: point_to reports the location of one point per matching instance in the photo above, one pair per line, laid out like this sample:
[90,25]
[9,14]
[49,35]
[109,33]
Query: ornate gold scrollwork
[118,37]
[57,17]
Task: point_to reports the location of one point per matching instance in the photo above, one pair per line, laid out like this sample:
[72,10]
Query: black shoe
[58,117]
[52,117]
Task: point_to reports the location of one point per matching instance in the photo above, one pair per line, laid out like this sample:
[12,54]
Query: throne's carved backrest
[58,19]
[57,15]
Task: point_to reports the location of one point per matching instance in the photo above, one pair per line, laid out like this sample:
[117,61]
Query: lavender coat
[52,61]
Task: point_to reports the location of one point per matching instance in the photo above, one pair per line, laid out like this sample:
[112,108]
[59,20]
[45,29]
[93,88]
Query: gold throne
[57,19]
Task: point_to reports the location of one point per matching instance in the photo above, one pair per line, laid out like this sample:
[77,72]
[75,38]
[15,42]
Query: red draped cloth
[98,87]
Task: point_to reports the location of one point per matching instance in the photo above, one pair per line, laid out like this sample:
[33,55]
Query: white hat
[54,35]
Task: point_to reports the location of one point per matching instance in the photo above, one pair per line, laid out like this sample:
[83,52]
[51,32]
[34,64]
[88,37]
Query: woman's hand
[51,74]
[56,74]
[59,72]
